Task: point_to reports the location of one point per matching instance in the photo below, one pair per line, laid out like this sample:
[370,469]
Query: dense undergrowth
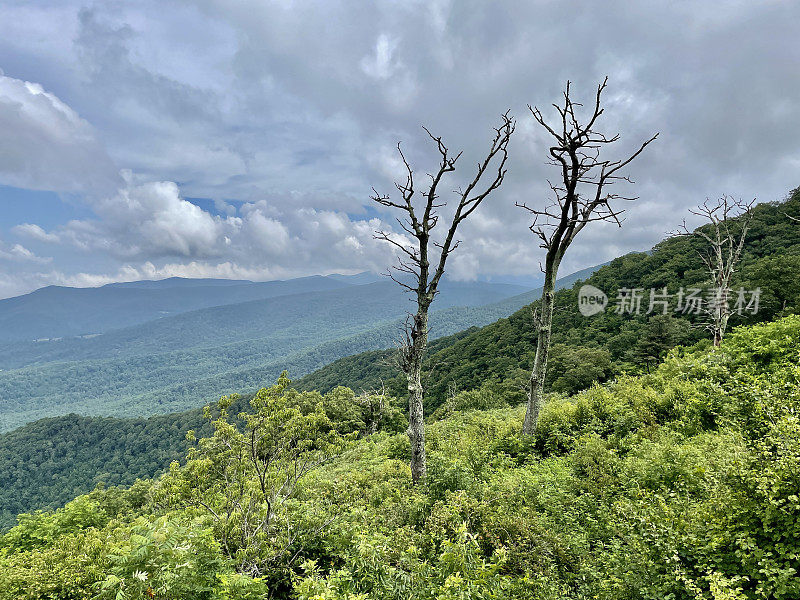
[681,483]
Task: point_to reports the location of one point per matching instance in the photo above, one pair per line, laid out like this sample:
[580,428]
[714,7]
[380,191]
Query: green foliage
[244,479]
[183,361]
[634,344]
[776,276]
[658,336]
[348,412]
[49,462]
[96,547]
[46,463]
[163,558]
[575,369]
[681,483]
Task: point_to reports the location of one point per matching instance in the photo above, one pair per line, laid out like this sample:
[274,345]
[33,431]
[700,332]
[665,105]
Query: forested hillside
[50,461]
[593,348]
[658,486]
[487,360]
[431,403]
[180,362]
[293,315]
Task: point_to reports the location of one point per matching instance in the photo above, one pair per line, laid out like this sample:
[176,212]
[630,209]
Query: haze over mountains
[48,461]
[56,311]
[113,351]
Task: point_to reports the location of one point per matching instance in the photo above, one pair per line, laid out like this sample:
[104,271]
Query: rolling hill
[603,344]
[46,462]
[55,312]
[178,362]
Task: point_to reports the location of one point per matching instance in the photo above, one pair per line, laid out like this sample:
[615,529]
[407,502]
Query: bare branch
[727,224]
[416,262]
[580,197]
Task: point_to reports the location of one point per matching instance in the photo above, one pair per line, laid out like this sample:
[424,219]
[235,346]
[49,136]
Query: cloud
[152,219]
[151,222]
[33,231]
[380,64]
[286,114]
[45,144]
[20,253]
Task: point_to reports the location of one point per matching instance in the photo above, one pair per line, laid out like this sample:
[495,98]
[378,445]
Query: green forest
[611,343]
[661,466]
[679,483]
[47,462]
[177,363]
[399,300]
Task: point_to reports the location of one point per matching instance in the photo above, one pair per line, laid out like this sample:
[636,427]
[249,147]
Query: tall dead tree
[580,197]
[419,269]
[728,221]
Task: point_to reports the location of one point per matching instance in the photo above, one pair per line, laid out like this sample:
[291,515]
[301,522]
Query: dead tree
[580,197]
[728,223]
[419,271]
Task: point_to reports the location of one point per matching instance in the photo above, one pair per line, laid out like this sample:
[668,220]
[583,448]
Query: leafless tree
[728,223]
[580,196]
[419,269]
[374,404]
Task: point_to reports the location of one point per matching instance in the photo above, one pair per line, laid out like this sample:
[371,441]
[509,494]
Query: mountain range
[46,462]
[183,360]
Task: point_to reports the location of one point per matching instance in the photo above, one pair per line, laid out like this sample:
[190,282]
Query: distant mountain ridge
[48,461]
[55,312]
[83,450]
[177,282]
[349,307]
[184,360]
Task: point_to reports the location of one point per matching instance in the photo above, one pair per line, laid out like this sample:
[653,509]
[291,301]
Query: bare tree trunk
[720,313]
[544,327]
[420,273]
[724,253]
[416,417]
[579,198]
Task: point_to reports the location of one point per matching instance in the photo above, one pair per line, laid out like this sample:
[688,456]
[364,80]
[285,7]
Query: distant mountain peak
[171,282]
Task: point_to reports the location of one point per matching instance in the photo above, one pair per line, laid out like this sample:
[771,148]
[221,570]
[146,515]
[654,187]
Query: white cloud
[33,231]
[151,224]
[20,253]
[287,114]
[46,145]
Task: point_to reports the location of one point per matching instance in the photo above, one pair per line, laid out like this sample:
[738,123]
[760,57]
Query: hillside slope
[352,305]
[48,461]
[55,312]
[677,484]
[183,361]
[609,342]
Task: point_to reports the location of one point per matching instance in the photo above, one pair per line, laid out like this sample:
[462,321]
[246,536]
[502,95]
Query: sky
[209,138]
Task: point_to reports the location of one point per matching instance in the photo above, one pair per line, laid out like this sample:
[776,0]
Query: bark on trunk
[416,419]
[539,372]
[416,424]
[720,325]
